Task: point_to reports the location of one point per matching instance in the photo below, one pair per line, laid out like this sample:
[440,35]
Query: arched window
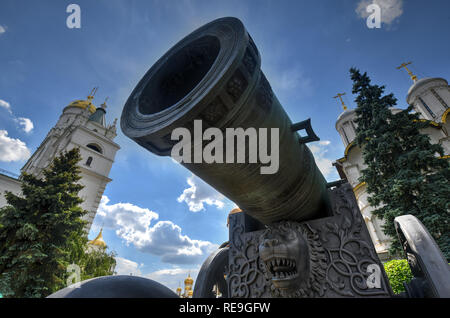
[89,161]
[427,108]
[95,147]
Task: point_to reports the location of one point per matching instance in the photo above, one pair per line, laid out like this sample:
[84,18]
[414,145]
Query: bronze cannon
[297,235]
[214,75]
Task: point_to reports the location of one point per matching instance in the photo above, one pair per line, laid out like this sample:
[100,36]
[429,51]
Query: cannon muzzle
[214,75]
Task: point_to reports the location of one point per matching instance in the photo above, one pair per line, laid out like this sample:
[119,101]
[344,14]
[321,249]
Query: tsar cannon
[296,234]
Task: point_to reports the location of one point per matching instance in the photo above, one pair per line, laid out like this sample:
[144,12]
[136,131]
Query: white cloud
[325,164]
[390,9]
[2,29]
[164,239]
[5,105]
[324,142]
[125,216]
[127,267]
[12,149]
[26,123]
[200,193]
[291,80]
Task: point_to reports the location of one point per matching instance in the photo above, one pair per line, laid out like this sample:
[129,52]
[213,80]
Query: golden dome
[98,241]
[190,293]
[235,210]
[83,104]
[188,281]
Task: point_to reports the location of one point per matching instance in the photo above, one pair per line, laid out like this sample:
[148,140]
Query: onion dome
[86,103]
[430,98]
[188,281]
[83,104]
[98,241]
[235,210]
[424,83]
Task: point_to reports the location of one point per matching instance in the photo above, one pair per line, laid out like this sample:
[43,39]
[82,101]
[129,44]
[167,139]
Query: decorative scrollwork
[333,256]
[264,95]
[245,275]
[349,254]
[249,61]
[214,112]
[236,86]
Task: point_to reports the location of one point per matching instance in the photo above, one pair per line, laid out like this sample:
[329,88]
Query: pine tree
[41,230]
[404,174]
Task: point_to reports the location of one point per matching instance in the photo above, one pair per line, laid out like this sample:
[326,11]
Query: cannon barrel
[214,75]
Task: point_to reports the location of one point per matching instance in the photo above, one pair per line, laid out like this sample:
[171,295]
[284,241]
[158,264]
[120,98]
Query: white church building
[80,125]
[430,98]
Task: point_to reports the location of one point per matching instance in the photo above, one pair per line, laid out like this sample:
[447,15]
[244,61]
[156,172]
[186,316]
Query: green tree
[42,231]
[404,174]
[94,261]
[398,272]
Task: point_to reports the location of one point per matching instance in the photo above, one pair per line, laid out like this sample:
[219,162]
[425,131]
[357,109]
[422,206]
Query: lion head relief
[294,258]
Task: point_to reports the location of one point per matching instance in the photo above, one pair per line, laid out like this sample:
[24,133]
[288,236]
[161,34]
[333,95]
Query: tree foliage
[398,272]
[93,261]
[404,174]
[42,231]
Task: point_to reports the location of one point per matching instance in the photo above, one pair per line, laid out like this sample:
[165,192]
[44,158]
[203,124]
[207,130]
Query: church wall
[99,163]
[85,136]
[96,128]
[8,184]
[91,193]
[433,104]
[433,133]
[353,166]
[374,224]
[444,93]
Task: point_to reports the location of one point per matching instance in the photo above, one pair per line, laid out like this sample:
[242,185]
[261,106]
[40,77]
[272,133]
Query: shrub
[398,271]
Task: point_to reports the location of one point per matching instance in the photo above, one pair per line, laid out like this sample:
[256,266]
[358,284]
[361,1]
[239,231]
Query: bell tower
[81,125]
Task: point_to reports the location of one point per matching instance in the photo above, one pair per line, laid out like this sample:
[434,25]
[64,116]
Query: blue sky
[151,219]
